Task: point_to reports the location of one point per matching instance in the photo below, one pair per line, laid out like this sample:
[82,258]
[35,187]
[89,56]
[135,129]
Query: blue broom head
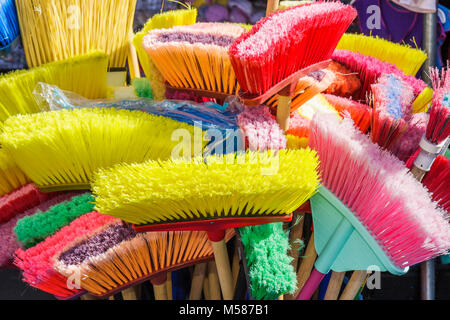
[9,23]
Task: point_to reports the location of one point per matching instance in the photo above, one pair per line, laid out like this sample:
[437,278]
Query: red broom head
[346,83]
[392,109]
[439,126]
[299,126]
[377,188]
[361,114]
[437,182]
[37,262]
[19,200]
[288,41]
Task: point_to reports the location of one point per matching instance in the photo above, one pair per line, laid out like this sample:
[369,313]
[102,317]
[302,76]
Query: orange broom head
[307,87]
[60,150]
[195,56]
[346,83]
[286,42]
[118,258]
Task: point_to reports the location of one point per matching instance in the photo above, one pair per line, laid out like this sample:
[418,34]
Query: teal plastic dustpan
[342,243]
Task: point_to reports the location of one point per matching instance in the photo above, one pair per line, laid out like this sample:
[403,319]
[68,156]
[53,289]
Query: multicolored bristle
[261,57]
[117,256]
[379,190]
[437,182]
[251,185]
[60,150]
[11,177]
[195,56]
[36,263]
[260,130]
[439,126]
[406,58]
[34,229]
[392,109]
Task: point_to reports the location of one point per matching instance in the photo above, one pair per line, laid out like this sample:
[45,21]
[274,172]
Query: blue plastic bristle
[9,23]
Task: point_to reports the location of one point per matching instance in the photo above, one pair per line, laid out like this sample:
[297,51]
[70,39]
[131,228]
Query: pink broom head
[407,144]
[437,182]
[21,199]
[370,69]
[299,125]
[360,113]
[439,126]
[37,262]
[287,41]
[392,109]
[377,188]
[8,240]
[346,83]
[260,129]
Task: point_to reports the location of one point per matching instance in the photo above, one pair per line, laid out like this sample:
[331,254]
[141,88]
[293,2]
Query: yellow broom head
[195,56]
[117,257]
[57,30]
[406,58]
[11,177]
[60,150]
[250,185]
[85,75]
[164,20]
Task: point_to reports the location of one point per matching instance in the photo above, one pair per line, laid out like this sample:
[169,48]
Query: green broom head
[34,229]
[60,150]
[84,75]
[249,184]
[142,88]
[270,271]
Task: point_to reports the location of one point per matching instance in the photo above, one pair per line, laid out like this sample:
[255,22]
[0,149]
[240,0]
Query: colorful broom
[407,144]
[346,83]
[63,29]
[284,47]
[9,25]
[85,75]
[211,197]
[60,150]
[397,228]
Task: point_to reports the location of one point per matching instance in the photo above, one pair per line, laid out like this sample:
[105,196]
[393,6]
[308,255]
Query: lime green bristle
[270,271]
[60,150]
[142,88]
[11,177]
[84,75]
[254,184]
[406,58]
[160,21]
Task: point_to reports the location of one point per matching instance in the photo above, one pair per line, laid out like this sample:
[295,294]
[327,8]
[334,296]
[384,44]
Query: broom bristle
[19,200]
[34,229]
[8,240]
[406,58]
[378,189]
[61,149]
[252,184]
[437,182]
[85,75]
[164,20]
[391,110]
[361,114]
[118,256]
[11,177]
[439,125]
[37,262]
[299,126]
[9,24]
[261,57]
[346,83]
[195,56]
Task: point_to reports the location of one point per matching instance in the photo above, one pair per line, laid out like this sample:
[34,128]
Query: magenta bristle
[370,69]
[439,126]
[37,262]
[260,129]
[392,205]
[437,182]
[407,144]
[8,240]
[392,109]
[287,41]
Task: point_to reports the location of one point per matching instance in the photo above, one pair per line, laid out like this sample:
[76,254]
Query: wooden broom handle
[169,286]
[334,286]
[354,285]
[272,6]
[223,269]
[160,291]
[133,62]
[296,233]
[307,264]
[197,281]
[89,296]
[213,280]
[419,174]
[131,294]
[206,291]
[284,112]
[235,267]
